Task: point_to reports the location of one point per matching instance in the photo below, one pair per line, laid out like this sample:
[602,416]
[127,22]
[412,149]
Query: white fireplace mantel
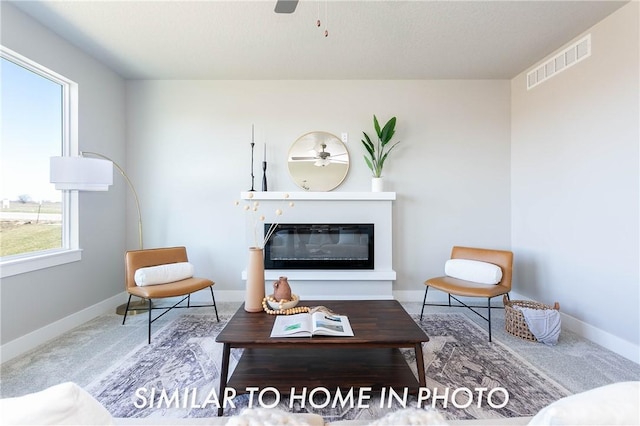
[320,196]
[338,207]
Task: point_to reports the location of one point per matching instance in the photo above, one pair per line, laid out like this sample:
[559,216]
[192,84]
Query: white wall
[188,148]
[575,185]
[36,300]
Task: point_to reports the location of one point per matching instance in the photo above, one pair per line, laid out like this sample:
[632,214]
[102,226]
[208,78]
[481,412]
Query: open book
[306,325]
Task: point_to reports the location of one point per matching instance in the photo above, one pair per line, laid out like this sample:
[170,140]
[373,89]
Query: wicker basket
[514,321]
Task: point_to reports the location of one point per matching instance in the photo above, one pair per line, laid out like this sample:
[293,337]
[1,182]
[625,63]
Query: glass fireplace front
[320,246]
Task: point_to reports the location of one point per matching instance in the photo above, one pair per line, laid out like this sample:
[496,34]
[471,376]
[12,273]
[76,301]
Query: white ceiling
[193,39]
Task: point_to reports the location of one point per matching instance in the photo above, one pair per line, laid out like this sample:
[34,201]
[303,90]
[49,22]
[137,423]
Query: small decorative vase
[281,289]
[377,184]
[255,281]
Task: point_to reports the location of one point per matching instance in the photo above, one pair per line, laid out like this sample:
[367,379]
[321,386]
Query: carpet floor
[183,361]
[90,353]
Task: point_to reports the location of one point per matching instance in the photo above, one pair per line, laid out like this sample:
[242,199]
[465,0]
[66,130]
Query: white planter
[377,184]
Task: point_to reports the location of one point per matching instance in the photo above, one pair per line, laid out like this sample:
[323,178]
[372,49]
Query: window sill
[36,262]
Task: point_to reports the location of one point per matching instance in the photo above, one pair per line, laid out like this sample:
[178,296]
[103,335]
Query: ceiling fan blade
[316,159]
[286,6]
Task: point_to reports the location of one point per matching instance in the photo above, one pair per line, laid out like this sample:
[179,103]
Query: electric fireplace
[320,246]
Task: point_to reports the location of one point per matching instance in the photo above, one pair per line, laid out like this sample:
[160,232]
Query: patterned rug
[177,376]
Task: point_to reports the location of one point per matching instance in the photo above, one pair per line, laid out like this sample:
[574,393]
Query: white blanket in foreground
[63,404]
[614,404]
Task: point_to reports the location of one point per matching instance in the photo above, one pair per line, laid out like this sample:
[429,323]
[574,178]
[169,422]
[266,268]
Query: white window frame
[70,250]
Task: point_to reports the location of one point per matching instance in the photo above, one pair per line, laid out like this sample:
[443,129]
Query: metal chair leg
[126,310]
[489,316]
[424,301]
[149,338]
[213,298]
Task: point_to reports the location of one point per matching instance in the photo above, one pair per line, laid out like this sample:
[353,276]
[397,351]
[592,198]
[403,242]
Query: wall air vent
[570,56]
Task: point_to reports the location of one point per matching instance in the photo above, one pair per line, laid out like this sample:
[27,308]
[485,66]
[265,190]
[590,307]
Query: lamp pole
[133,190]
[140,306]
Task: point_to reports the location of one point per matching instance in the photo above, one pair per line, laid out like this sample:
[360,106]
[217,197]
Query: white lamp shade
[81,173]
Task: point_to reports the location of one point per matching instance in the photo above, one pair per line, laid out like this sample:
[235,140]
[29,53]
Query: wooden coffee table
[368,359]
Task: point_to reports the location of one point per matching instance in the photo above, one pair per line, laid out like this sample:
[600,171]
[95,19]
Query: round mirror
[318,161]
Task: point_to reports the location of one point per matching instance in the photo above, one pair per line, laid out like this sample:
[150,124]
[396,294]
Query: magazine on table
[307,325]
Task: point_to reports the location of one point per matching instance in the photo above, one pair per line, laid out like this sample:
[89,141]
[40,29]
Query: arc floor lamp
[84,173]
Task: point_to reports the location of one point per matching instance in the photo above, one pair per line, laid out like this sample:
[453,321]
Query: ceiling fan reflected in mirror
[286,6]
[322,157]
[318,161]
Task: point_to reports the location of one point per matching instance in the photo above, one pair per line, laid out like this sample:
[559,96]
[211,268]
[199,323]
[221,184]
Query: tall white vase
[255,281]
[377,184]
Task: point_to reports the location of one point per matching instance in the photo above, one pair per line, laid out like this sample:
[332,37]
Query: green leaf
[376,125]
[369,164]
[384,157]
[368,145]
[388,131]
[366,136]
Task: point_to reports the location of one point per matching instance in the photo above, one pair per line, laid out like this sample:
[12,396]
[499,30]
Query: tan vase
[282,290]
[255,281]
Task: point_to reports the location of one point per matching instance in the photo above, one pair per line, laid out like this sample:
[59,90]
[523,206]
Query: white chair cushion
[615,404]
[63,404]
[473,270]
[163,274]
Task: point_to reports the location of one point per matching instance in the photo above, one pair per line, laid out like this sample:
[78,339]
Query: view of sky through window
[31,133]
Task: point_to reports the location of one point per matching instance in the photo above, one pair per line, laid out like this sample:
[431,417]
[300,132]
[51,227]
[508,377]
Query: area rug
[467,377]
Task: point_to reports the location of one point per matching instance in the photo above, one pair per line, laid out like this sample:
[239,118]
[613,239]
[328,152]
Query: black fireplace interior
[320,246]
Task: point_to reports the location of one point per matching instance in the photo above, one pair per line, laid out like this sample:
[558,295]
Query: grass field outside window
[30,227]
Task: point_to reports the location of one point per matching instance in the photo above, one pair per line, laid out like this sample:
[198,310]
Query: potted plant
[379,151]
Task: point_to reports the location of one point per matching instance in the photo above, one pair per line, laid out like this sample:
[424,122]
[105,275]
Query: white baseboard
[42,335]
[204,296]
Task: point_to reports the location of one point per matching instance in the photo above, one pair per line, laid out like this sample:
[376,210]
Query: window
[38,225]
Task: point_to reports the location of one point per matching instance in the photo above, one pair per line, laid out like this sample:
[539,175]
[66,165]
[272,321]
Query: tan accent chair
[458,287]
[136,259]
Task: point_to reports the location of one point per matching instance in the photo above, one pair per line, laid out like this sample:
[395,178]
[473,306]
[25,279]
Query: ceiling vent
[567,58]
